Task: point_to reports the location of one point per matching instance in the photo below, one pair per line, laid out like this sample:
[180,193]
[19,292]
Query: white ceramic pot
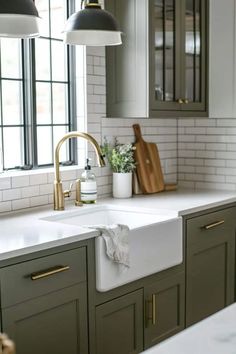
[122,185]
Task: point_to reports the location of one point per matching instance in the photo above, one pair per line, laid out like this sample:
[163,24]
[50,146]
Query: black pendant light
[18,19]
[92,26]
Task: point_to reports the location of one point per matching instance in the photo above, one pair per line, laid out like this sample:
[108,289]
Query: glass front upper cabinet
[178,42]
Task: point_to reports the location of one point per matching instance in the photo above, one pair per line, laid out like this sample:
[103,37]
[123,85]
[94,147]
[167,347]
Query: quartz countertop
[24,232]
[214,335]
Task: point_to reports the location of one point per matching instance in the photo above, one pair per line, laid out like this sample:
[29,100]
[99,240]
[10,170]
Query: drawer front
[41,276]
[212,225]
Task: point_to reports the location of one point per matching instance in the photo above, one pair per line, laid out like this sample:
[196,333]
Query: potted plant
[121,159]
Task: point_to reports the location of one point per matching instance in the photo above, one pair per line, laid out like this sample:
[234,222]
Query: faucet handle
[67,192]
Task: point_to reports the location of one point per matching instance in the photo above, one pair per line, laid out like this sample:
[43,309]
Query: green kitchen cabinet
[164,309]
[210,263]
[44,304]
[139,319]
[161,68]
[119,325]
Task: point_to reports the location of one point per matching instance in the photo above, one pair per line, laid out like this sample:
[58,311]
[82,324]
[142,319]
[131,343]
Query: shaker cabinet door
[50,324]
[119,325]
[210,264]
[164,309]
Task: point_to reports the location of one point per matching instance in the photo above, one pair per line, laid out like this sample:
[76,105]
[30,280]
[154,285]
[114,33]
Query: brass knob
[180,101]
[186,101]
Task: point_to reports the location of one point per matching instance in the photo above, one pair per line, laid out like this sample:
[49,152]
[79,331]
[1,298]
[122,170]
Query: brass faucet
[59,194]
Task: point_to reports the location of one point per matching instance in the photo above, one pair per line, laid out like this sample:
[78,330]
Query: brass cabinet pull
[186,101]
[151,311]
[48,272]
[215,224]
[180,101]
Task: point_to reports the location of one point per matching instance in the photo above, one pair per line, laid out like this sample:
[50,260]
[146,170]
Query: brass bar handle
[180,100]
[153,309]
[48,272]
[215,224]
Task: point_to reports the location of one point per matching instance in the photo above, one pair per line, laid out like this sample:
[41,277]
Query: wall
[19,190]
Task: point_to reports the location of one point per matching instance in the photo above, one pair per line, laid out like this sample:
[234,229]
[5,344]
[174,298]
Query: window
[37,92]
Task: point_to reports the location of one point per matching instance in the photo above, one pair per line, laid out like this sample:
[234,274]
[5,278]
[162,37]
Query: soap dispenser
[88,185]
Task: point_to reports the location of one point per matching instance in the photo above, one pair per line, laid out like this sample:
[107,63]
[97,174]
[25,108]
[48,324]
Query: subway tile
[11,194]
[5,207]
[21,204]
[36,179]
[5,183]
[30,191]
[39,200]
[20,181]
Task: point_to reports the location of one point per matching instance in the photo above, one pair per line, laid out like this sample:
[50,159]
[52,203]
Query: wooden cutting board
[149,170]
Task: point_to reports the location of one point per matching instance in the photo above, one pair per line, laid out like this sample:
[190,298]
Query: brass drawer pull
[215,224]
[49,272]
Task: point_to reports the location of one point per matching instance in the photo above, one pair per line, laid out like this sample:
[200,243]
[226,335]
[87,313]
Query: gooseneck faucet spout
[59,194]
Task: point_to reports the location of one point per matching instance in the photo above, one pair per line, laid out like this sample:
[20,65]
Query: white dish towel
[117,242]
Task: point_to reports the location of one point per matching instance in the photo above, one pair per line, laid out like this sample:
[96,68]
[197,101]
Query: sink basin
[155,241]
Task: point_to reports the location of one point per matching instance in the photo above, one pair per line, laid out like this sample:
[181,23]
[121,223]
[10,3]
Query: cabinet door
[210,264]
[50,324]
[119,325]
[178,55]
[164,309]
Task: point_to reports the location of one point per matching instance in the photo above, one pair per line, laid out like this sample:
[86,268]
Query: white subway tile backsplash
[218,165]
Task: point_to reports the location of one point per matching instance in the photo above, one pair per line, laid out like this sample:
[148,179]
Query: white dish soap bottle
[88,185]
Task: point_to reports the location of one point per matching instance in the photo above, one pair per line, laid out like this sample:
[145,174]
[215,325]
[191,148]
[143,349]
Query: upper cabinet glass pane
[164,27]
[193,50]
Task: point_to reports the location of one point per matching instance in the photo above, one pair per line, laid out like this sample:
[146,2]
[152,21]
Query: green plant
[119,156]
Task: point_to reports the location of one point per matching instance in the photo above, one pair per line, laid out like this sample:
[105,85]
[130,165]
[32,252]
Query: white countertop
[24,232]
[214,335]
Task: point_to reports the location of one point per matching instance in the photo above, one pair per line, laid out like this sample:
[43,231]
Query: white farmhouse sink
[155,241]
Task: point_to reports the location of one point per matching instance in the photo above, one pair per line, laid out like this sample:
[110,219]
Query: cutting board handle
[137,132]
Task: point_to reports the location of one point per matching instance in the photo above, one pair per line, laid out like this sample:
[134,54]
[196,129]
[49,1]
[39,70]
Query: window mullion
[29,103]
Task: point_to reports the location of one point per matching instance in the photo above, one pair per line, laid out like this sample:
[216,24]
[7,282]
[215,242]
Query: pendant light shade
[92,26]
[18,19]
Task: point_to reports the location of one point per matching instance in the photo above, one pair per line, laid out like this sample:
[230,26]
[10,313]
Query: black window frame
[29,121]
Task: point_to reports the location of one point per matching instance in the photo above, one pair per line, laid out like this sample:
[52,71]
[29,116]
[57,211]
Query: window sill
[38,171]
